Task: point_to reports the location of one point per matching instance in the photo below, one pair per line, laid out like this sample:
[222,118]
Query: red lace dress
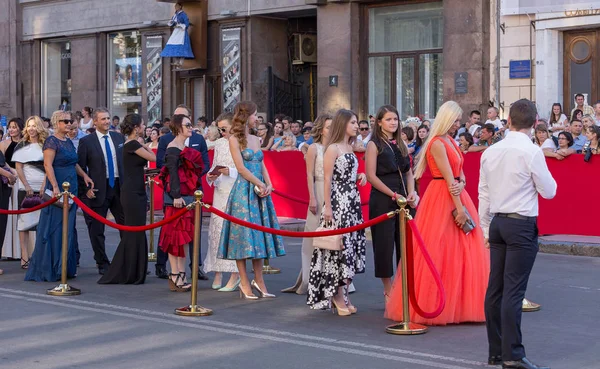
[187,165]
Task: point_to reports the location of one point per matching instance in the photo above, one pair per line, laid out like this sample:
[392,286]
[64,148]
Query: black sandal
[177,285]
[25,265]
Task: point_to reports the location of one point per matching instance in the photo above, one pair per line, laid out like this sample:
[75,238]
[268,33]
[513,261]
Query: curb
[569,248]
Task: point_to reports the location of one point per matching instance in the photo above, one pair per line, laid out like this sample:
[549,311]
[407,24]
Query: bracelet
[394,196]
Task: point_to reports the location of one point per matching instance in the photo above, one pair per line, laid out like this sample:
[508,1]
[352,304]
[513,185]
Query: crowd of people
[93,152]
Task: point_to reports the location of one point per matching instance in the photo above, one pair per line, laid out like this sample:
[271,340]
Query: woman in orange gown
[461,259]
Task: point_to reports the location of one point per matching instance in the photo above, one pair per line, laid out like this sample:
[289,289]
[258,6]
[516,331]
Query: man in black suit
[195,142]
[101,157]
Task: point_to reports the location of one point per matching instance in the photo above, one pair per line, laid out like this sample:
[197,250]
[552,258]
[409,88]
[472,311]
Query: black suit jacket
[197,142]
[91,160]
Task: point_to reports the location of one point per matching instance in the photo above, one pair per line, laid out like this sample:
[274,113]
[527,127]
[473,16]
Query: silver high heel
[243,296]
[260,292]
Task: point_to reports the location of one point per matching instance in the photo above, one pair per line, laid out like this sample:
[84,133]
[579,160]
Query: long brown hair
[241,112]
[317,130]
[338,127]
[380,137]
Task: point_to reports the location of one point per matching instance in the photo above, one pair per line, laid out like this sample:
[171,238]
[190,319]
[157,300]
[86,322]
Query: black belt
[441,178]
[515,216]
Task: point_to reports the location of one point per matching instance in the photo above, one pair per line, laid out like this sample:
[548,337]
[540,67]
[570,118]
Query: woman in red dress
[461,259]
[158,192]
[181,176]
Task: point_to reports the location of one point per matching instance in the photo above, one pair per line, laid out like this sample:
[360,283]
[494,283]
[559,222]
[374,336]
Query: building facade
[549,52]
[299,57]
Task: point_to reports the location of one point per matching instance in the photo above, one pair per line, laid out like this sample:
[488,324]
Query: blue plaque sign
[519,69]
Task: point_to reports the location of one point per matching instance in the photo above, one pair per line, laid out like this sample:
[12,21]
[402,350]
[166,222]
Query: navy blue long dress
[45,264]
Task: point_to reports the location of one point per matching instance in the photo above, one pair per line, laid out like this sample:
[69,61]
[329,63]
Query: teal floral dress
[238,242]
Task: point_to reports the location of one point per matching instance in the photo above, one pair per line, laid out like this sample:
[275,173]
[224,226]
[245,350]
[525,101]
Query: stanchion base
[267,269]
[63,290]
[529,307]
[152,257]
[195,310]
[406,328]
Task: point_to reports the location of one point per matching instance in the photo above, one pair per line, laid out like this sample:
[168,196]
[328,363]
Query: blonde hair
[41,130]
[212,133]
[448,113]
[57,115]
[317,130]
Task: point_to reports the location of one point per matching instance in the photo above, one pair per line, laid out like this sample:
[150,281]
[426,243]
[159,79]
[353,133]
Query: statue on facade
[178,46]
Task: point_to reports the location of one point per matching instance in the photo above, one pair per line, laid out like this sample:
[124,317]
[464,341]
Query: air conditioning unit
[305,49]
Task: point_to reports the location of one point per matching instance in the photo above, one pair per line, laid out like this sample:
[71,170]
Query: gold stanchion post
[406,327]
[268,269]
[63,289]
[193,309]
[151,253]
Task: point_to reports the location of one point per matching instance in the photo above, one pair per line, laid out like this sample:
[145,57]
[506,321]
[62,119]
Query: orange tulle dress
[461,260]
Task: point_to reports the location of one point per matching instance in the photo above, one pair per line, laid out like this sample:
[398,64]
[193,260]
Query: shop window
[56,77]
[125,73]
[405,61]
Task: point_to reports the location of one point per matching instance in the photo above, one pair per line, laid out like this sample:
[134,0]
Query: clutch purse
[31,201]
[48,195]
[469,224]
[333,243]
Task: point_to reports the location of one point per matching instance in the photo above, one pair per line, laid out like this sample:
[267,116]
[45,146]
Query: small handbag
[49,195]
[469,224]
[31,201]
[333,243]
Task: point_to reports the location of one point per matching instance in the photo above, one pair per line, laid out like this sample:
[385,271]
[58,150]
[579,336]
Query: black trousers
[162,257]
[513,248]
[385,235]
[112,202]
[5,191]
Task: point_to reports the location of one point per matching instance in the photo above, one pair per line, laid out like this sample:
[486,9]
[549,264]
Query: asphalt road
[112,326]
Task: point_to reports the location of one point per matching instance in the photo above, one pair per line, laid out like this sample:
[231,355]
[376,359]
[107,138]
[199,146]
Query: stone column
[337,51]
[549,70]
[466,49]
[10,92]
[84,72]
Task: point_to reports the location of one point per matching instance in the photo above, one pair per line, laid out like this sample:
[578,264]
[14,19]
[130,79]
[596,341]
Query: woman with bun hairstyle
[130,263]
[249,200]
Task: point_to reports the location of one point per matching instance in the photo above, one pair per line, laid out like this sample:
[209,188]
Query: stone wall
[10,90]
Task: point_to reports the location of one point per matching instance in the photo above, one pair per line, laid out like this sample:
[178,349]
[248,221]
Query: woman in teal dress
[249,200]
[60,163]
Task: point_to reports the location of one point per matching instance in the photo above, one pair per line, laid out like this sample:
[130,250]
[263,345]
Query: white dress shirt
[497,123]
[513,172]
[112,149]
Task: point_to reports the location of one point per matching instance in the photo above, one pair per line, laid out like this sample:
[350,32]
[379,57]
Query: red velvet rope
[410,231]
[121,227]
[302,201]
[29,210]
[280,232]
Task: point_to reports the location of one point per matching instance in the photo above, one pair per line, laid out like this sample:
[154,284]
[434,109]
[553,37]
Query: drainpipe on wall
[531,27]
[498,2]
[248,7]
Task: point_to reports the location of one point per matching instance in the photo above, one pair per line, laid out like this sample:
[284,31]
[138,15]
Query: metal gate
[284,97]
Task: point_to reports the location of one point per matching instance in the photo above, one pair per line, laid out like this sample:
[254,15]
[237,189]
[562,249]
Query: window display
[56,76]
[125,73]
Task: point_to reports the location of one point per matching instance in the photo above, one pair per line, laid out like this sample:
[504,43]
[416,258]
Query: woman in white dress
[86,122]
[29,162]
[316,186]
[222,176]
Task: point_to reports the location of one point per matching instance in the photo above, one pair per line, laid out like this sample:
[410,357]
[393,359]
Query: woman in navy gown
[60,164]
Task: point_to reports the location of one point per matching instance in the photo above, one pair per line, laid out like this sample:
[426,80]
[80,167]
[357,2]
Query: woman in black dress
[388,171]
[130,261]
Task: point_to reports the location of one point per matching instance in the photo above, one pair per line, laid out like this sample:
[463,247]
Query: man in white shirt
[492,117]
[513,172]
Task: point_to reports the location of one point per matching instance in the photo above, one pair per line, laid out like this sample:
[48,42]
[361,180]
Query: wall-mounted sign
[153,78]
[519,69]
[333,81]
[461,83]
[230,61]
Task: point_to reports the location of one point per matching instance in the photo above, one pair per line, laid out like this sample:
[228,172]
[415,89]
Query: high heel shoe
[176,286]
[296,286]
[24,263]
[243,296]
[216,286]
[260,292]
[340,311]
[231,289]
[353,309]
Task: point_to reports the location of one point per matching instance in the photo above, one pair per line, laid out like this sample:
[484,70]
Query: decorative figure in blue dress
[249,200]
[178,46]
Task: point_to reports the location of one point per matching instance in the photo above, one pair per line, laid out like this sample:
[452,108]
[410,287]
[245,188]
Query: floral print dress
[331,269]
